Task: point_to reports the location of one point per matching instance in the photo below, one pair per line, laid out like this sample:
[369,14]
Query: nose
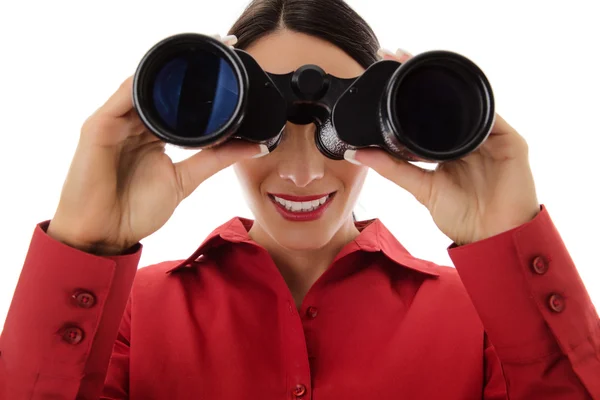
[299,159]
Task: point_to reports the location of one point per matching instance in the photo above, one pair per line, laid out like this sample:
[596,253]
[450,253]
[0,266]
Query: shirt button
[299,390]
[311,312]
[73,335]
[84,299]
[556,303]
[540,265]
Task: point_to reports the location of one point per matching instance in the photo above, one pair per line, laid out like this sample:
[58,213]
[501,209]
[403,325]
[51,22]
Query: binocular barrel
[191,90]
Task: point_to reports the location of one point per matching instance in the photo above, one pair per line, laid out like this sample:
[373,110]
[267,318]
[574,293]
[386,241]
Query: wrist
[508,224]
[96,248]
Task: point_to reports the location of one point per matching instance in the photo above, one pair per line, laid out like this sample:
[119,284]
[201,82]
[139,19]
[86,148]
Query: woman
[285,306]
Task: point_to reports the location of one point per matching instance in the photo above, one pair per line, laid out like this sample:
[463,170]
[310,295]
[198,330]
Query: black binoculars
[193,91]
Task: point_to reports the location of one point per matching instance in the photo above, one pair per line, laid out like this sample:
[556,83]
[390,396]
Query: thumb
[415,180]
[194,170]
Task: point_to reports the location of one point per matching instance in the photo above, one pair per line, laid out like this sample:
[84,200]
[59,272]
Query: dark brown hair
[330,20]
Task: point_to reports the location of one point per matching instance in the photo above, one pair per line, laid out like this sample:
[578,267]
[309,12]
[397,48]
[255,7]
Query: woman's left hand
[489,191]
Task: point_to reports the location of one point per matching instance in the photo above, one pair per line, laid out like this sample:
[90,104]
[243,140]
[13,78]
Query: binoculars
[191,90]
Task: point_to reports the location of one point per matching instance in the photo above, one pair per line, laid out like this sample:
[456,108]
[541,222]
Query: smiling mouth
[302,204]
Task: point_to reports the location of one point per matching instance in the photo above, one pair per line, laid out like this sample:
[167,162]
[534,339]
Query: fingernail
[230,40]
[264,150]
[402,53]
[350,156]
[385,52]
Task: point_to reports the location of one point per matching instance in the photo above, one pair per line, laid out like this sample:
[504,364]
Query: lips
[301,208]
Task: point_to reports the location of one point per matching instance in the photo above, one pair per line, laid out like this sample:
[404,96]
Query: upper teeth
[301,206]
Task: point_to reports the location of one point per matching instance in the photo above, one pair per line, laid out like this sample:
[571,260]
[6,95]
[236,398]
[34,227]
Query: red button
[299,390]
[311,312]
[73,335]
[84,299]
[540,265]
[556,303]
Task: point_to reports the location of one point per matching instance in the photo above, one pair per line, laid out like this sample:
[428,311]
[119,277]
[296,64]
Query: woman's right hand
[121,186]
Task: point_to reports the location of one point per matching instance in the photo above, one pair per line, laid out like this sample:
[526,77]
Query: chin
[297,235]
[301,238]
[310,235]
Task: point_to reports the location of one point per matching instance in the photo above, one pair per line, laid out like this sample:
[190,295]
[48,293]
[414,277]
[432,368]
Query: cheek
[351,176]
[250,176]
[357,181]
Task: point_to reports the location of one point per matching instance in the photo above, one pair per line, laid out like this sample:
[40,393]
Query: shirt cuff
[528,293]
[64,315]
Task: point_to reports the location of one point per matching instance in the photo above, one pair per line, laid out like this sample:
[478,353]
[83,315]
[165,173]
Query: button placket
[312,312]
[299,374]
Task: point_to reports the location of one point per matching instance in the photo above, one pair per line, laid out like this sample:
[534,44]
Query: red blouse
[513,320]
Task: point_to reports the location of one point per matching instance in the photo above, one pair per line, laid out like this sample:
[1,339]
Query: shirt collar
[373,237]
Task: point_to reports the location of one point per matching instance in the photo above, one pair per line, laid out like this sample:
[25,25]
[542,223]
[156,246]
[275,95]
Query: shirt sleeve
[116,385]
[63,320]
[536,312]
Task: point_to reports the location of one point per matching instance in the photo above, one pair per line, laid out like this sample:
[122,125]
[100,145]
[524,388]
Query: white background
[60,60]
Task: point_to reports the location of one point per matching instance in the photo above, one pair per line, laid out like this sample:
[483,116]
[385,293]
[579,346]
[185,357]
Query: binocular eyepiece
[191,90]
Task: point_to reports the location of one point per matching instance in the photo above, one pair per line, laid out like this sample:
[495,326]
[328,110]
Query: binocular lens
[439,107]
[195,94]
[188,91]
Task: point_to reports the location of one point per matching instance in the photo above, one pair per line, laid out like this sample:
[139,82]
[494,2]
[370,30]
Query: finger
[229,40]
[501,127]
[146,138]
[415,180]
[121,102]
[135,123]
[202,165]
[504,141]
[400,55]
[105,130]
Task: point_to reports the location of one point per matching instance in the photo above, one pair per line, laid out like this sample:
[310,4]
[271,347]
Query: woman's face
[283,188]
